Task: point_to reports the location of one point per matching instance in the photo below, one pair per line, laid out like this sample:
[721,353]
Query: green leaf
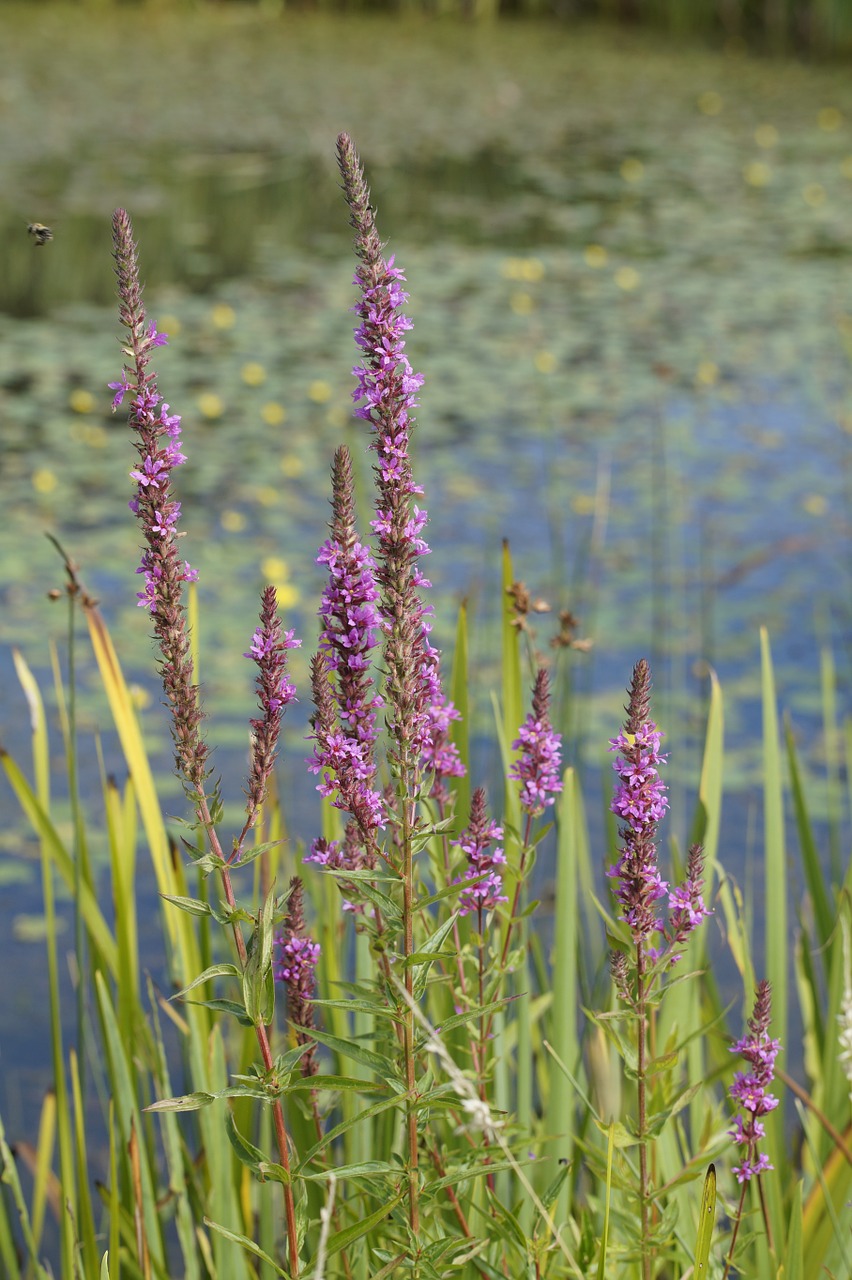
[249,1245]
[186,1102]
[343,1239]
[193,906]
[223,970]
[705,1225]
[377,1062]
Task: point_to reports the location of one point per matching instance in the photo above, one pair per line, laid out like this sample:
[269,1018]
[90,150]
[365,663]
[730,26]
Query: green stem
[408,1023]
[641,1089]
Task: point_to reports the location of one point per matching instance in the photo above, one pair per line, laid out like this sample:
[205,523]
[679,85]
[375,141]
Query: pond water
[630,271]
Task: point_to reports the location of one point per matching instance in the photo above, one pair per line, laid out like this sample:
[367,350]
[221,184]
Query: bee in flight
[39,232]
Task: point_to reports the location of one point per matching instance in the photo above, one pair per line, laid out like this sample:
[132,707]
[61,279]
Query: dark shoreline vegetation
[365,1059]
[811,27]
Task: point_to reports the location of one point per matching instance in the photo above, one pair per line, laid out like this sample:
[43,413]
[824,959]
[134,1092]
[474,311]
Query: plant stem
[644,1187]
[282,1140]
[408,818]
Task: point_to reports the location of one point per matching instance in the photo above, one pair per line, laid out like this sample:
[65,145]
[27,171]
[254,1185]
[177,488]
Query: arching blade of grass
[565,991]
[777,939]
[706,1223]
[610,1148]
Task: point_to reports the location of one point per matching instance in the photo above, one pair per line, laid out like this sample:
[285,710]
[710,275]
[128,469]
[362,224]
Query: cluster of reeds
[378,1064]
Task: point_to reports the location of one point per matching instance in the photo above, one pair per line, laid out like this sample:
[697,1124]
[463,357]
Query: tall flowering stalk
[640,802]
[344,724]
[296,961]
[158,446]
[537,770]
[386,393]
[750,1092]
[157,442]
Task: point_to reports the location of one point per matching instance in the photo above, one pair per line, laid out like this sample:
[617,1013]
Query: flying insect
[40,233]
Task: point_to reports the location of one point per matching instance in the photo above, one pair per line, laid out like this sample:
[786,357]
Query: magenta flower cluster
[385,395]
[297,959]
[538,765]
[749,1089]
[640,802]
[483,862]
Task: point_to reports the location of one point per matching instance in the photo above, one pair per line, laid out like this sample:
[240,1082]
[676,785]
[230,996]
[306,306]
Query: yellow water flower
[223,316]
[81,401]
[757,174]
[291,465]
[766,136]
[545,361]
[814,194]
[253,374]
[707,374]
[273,413]
[627,278]
[595,255]
[319,391]
[632,170]
[44,481]
[210,405]
[522,303]
[815,504]
[232,521]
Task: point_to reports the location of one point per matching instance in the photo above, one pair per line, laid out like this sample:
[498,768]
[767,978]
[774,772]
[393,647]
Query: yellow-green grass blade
[230,1258]
[9,1179]
[794,1258]
[36,808]
[610,1148]
[38,728]
[57,855]
[128,1116]
[564,1015]
[178,926]
[777,953]
[831,737]
[43,1164]
[114,1200]
[121,831]
[170,1129]
[814,878]
[89,1252]
[706,1221]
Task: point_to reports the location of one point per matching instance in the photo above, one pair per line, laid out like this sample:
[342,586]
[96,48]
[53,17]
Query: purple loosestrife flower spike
[640,801]
[686,902]
[345,722]
[296,961]
[387,389]
[537,767]
[158,445]
[482,860]
[274,693]
[749,1089]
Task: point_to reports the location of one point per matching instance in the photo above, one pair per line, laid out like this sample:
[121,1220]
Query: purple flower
[344,725]
[295,961]
[749,1089]
[157,511]
[640,800]
[269,647]
[387,391]
[482,860]
[537,767]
